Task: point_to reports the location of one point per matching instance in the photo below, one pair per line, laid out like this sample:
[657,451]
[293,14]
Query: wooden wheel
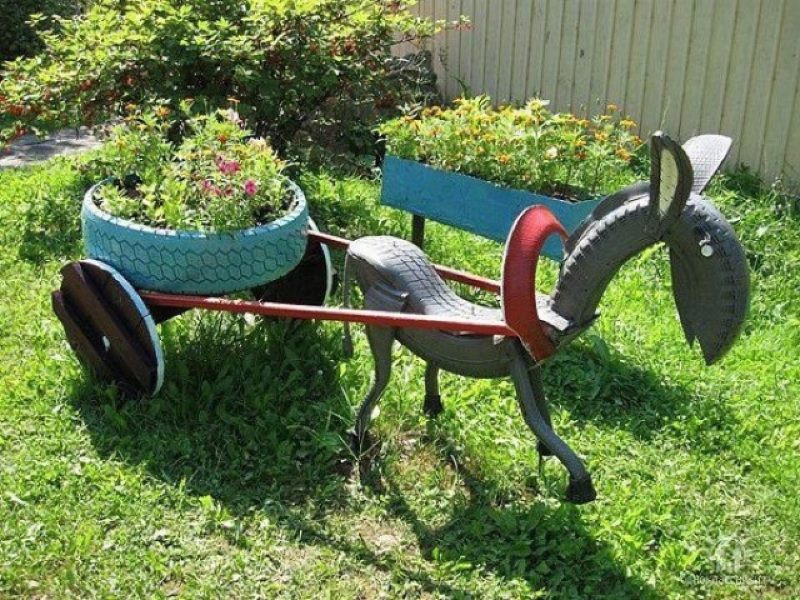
[109,326]
[310,282]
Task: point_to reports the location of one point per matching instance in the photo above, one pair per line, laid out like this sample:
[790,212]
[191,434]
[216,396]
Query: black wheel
[310,282]
[109,326]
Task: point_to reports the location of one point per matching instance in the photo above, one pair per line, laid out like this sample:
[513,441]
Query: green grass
[231,482]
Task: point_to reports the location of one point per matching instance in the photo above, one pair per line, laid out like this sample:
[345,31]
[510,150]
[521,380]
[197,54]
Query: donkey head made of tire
[710,280]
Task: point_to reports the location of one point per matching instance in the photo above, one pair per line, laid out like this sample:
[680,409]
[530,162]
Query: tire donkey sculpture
[709,281]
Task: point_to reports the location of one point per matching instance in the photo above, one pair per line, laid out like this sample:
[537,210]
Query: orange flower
[623,154]
[504,159]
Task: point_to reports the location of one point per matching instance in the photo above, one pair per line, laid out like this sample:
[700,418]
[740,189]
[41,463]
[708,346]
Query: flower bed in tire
[192,262]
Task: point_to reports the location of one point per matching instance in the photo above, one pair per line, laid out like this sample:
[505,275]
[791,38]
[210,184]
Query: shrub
[283,60]
[217,178]
[17,36]
[526,148]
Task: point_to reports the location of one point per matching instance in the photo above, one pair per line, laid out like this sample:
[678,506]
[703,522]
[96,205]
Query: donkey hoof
[433,405]
[581,491]
[542,449]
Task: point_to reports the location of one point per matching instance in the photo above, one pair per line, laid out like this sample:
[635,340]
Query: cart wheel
[310,282]
[109,326]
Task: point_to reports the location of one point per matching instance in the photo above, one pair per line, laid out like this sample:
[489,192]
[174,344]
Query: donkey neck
[602,249]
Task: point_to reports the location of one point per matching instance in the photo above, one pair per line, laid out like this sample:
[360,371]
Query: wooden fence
[684,66]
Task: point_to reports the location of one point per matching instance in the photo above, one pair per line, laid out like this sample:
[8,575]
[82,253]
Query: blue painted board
[470,203]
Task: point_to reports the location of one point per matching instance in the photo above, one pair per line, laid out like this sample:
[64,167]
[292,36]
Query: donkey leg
[381,340]
[580,489]
[433,400]
[535,377]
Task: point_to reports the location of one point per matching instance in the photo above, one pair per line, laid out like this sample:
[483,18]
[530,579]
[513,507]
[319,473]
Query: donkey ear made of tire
[671,179]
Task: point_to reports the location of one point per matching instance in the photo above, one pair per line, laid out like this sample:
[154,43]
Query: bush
[282,60]
[526,148]
[218,178]
[17,36]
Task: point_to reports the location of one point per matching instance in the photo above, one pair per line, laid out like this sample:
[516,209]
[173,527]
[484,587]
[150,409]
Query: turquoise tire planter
[471,204]
[191,262]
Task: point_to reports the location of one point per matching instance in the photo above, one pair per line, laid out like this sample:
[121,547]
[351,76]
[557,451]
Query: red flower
[228,167]
[250,187]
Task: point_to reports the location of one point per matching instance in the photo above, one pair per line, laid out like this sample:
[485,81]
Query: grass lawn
[230,482]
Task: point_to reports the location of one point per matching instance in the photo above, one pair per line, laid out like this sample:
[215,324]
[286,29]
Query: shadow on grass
[549,548]
[614,394]
[253,417]
[247,414]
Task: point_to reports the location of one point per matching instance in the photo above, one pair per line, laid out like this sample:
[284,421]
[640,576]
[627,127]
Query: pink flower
[209,187]
[227,167]
[250,187]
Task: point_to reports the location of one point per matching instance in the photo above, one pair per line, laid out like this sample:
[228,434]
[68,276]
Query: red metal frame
[476,281]
[322,313]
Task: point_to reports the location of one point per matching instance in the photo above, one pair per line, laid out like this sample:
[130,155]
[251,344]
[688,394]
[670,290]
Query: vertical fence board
[584,59]
[695,76]
[761,82]
[537,46]
[651,117]
[640,51]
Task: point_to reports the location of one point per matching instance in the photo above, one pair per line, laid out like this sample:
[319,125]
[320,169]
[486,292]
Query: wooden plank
[652,113]
[584,58]
[508,49]
[552,51]
[118,298]
[521,52]
[80,341]
[566,60]
[469,203]
[537,48]
[126,353]
[695,76]
[466,39]
[719,54]
[620,52]
[791,160]
[681,30]
[494,35]
[737,87]
[601,58]
[477,80]
[438,45]
[784,93]
[453,66]
[640,51]
[761,82]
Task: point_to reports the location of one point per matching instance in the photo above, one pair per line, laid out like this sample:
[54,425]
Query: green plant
[284,60]
[527,148]
[230,482]
[22,18]
[216,178]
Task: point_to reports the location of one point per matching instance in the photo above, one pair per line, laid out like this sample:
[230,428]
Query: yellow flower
[623,154]
[612,108]
[628,123]
[504,159]
[600,136]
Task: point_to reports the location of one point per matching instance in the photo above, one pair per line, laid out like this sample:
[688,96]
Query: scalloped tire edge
[193,262]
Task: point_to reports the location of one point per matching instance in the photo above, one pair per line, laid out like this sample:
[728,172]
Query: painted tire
[191,262]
